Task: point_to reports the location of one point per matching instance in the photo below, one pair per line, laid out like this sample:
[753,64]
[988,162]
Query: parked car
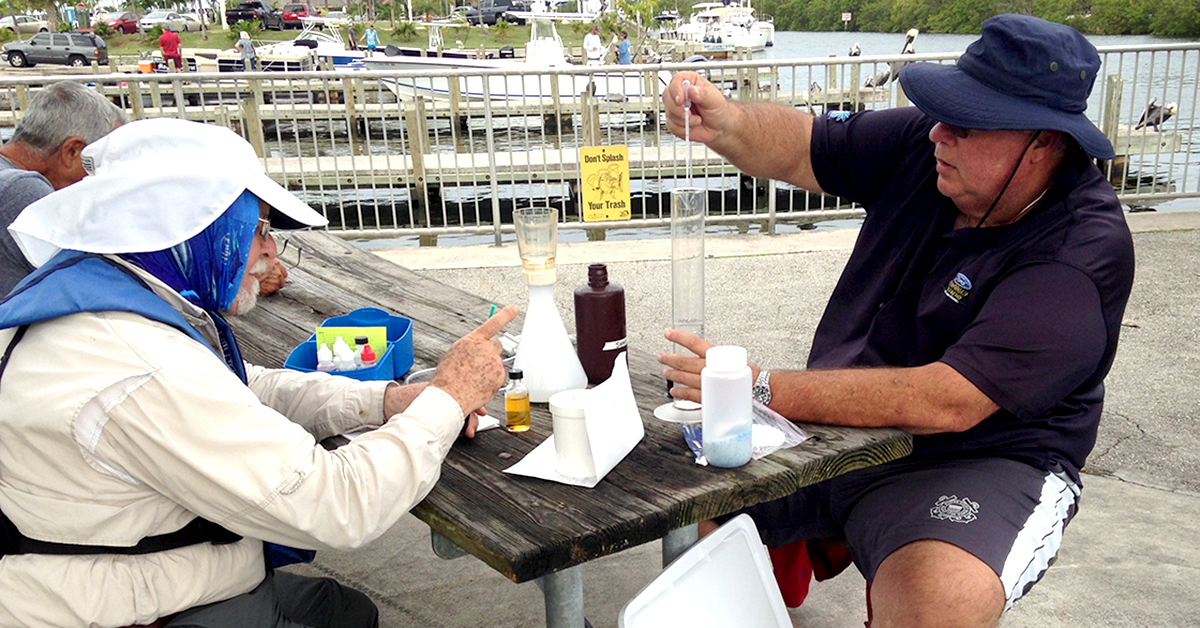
[25,24]
[75,49]
[249,10]
[294,11]
[191,22]
[162,17]
[124,22]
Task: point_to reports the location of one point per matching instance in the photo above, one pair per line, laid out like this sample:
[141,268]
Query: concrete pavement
[1130,558]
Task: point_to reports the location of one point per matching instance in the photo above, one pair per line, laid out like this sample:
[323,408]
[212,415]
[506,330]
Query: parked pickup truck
[251,10]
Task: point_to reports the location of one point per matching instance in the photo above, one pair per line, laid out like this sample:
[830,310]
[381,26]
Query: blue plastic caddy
[394,362]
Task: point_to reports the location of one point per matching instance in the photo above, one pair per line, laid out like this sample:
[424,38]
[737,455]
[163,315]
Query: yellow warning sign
[604,182]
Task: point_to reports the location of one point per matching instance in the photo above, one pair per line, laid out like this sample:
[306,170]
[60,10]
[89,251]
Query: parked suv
[75,49]
[294,11]
[490,11]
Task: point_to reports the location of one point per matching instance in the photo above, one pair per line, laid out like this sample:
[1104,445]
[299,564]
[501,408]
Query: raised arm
[761,139]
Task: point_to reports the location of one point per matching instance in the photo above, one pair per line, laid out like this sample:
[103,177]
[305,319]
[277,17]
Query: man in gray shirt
[44,155]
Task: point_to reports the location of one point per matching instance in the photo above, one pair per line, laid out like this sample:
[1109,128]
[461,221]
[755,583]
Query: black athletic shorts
[1008,514]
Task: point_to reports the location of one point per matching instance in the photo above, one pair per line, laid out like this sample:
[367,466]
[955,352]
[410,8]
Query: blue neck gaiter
[207,269]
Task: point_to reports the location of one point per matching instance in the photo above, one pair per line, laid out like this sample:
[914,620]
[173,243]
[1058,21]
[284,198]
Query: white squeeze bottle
[725,412]
[343,357]
[324,358]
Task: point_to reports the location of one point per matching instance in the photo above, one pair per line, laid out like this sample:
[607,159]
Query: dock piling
[252,127]
[414,120]
[134,96]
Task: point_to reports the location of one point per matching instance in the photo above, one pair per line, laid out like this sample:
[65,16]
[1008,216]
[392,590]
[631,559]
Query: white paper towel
[614,428]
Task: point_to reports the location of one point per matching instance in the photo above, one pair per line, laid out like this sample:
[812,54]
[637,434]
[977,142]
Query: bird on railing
[893,70]
[1155,115]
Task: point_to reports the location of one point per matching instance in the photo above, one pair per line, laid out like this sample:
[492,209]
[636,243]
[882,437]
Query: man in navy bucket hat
[979,311]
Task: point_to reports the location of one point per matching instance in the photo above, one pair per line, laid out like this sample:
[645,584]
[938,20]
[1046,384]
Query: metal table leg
[677,541]
[564,598]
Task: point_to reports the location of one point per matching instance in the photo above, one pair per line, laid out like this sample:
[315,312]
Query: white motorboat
[727,23]
[320,37]
[526,79]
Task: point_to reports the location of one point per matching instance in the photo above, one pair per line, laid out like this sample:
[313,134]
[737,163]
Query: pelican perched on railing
[893,70]
[1155,115]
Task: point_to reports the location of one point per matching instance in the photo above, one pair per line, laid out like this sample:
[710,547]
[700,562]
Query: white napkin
[614,428]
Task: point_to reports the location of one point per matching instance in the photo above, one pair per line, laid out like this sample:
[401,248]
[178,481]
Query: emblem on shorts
[959,288]
[954,508]
[838,116]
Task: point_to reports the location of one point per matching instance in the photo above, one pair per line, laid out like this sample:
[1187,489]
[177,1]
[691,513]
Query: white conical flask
[545,354]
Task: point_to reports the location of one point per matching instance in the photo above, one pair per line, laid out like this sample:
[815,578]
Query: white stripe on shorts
[1038,540]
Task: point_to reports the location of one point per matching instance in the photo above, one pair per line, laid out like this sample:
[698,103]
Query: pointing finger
[493,325]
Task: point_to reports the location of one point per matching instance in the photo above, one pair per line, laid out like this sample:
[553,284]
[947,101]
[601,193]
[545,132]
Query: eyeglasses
[283,249]
[263,230]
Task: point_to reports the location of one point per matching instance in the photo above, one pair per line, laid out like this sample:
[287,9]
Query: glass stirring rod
[687,130]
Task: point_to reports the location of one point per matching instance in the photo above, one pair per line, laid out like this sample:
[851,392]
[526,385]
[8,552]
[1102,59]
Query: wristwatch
[761,391]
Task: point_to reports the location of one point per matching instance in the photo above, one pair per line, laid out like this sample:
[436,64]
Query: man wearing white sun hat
[143,466]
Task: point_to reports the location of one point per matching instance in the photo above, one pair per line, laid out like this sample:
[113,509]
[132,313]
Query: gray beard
[247,296]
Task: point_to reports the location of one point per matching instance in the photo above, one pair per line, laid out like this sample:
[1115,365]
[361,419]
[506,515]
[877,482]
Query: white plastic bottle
[343,356]
[324,358]
[726,413]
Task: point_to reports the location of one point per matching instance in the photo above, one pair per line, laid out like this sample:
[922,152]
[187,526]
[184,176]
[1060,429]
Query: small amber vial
[516,402]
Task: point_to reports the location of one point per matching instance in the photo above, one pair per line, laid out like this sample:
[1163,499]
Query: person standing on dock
[979,310]
[624,50]
[593,47]
[249,54]
[352,36]
[372,39]
[45,154]
[168,43]
[151,476]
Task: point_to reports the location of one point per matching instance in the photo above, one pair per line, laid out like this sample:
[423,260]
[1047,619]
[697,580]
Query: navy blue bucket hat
[1024,73]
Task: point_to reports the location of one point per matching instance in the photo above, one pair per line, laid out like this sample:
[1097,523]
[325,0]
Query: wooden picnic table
[527,528]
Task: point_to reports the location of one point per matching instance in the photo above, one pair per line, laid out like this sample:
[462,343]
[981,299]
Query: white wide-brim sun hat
[153,184]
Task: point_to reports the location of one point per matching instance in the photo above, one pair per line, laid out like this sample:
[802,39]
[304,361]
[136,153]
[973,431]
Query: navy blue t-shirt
[1028,312]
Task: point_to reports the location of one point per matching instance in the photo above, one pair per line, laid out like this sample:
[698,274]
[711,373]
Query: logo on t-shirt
[954,509]
[838,116]
[959,288]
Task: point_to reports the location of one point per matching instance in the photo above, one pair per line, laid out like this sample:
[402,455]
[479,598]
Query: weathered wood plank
[524,527]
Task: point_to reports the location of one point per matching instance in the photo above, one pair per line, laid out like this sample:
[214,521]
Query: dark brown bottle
[599,323]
